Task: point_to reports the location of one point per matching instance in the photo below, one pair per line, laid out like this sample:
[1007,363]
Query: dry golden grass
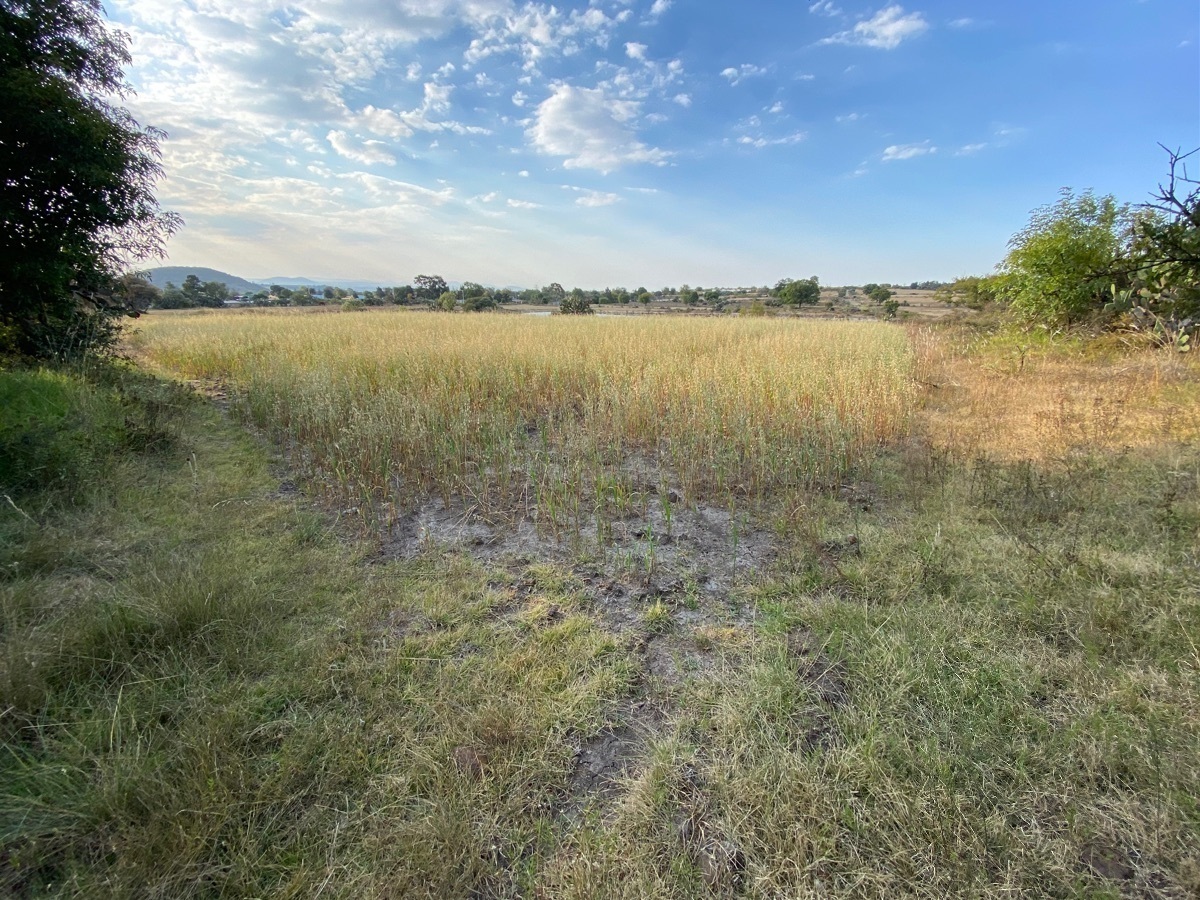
[1009,400]
[562,415]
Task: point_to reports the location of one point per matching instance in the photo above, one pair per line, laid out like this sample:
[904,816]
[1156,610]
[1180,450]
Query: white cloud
[596,198]
[358,150]
[490,197]
[825,8]
[684,100]
[848,117]
[413,72]
[389,190]
[758,143]
[886,30]
[635,50]
[775,108]
[536,32]
[524,173]
[659,7]
[908,151]
[965,22]
[519,98]
[523,204]
[969,149]
[591,130]
[740,74]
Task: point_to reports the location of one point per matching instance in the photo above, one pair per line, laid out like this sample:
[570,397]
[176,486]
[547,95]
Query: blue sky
[647,142]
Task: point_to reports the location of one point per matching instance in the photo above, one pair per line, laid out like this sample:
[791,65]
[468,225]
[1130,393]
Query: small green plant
[657,617]
[353,305]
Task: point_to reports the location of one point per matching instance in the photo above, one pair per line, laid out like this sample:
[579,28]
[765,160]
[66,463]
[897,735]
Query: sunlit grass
[561,415]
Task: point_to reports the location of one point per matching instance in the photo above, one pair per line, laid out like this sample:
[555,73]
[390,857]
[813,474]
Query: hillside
[176,274]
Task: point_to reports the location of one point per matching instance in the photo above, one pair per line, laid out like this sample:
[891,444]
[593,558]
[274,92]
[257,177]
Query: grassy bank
[961,671]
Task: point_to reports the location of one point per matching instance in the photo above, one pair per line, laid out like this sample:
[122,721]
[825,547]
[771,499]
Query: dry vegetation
[550,415]
[952,653]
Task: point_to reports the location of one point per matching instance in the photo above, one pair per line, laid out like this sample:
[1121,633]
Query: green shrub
[55,430]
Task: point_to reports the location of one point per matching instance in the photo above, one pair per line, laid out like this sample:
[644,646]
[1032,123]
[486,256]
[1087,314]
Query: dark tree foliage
[430,287]
[1158,276]
[797,292]
[77,177]
[576,303]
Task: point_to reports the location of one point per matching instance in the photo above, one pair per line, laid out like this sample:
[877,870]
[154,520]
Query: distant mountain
[293,281]
[176,274]
[353,284]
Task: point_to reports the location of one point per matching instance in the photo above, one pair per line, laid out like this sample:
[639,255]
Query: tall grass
[385,408]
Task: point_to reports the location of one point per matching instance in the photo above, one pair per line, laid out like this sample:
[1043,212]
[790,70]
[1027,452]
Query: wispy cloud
[908,151]
[758,143]
[523,204]
[970,149]
[824,8]
[885,30]
[591,198]
[358,150]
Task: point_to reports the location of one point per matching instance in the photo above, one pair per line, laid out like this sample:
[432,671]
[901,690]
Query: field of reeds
[565,418]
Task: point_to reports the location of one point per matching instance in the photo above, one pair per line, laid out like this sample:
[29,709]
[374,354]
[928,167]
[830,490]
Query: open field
[490,606]
[563,418]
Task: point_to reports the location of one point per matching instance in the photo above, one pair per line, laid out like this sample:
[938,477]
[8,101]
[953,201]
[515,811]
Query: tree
[1158,278]
[172,298]
[214,293]
[553,293]
[879,293]
[430,287]
[971,291]
[77,177]
[446,302]
[576,303]
[1059,267]
[798,293]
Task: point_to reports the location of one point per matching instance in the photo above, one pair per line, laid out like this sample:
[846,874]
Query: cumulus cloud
[659,7]
[885,30]
[635,50]
[535,32]
[591,130]
[908,151]
[684,100]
